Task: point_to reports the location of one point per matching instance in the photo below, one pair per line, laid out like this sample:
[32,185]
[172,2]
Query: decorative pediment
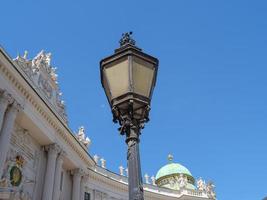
[44,76]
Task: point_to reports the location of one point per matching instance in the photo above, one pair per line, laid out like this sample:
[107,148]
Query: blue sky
[209,107]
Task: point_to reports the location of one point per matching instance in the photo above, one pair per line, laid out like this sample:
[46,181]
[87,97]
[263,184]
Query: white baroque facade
[41,159]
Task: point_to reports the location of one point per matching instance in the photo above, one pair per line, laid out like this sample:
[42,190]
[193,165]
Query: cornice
[118,185]
[30,95]
[153,192]
[123,187]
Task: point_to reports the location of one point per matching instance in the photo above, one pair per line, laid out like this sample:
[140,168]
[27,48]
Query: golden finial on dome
[170,158]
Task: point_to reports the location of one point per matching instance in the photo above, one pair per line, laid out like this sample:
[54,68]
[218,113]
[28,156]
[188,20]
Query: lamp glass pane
[106,87]
[143,74]
[117,77]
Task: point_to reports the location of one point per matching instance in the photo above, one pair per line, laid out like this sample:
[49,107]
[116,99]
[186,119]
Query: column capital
[78,172]
[6,97]
[53,148]
[16,107]
[62,154]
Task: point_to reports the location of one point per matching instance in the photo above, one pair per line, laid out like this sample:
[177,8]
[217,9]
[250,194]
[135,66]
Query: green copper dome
[172,174]
[172,168]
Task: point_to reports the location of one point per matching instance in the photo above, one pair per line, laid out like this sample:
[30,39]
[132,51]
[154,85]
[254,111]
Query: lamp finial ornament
[127,39]
[170,158]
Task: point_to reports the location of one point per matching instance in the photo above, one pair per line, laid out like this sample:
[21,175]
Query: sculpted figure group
[208,188]
[44,76]
[182,181]
[82,137]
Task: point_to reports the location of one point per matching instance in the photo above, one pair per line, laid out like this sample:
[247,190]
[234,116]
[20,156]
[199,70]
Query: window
[86,196]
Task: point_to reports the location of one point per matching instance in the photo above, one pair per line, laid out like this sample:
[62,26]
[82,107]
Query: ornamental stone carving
[82,137]
[153,180]
[53,148]
[78,172]
[211,190]
[44,77]
[121,170]
[15,178]
[5,96]
[5,100]
[45,86]
[182,181]
[146,179]
[201,185]
[96,159]
[103,163]
[127,172]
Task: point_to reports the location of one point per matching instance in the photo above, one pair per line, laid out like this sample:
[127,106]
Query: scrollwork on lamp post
[128,78]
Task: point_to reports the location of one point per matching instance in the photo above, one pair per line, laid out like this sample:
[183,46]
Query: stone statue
[210,190]
[44,60]
[48,59]
[201,186]
[96,158]
[182,181]
[87,142]
[103,163]
[81,137]
[81,134]
[153,179]
[40,71]
[54,74]
[40,58]
[25,55]
[172,181]
[121,169]
[146,178]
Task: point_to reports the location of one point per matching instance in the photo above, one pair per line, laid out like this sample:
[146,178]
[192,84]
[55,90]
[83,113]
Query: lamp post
[128,78]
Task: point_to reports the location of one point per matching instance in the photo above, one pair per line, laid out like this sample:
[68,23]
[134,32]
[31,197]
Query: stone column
[76,184]
[6,132]
[41,167]
[5,100]
[53,150]
[83,183]
[56,191]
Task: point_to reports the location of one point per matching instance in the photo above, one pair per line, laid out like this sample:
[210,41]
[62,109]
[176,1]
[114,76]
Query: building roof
[172,168]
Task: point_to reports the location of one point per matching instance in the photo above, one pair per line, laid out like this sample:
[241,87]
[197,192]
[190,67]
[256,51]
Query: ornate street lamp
[128,78]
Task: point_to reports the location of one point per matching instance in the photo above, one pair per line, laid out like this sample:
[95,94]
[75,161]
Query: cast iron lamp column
[128,78]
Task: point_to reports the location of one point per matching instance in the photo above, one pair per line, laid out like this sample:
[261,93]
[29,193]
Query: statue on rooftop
[48,59]
[82,137]
[42,60]
[38,59]
[201,186]
[211,190]
[25,55]
[182,180]
[81,133]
